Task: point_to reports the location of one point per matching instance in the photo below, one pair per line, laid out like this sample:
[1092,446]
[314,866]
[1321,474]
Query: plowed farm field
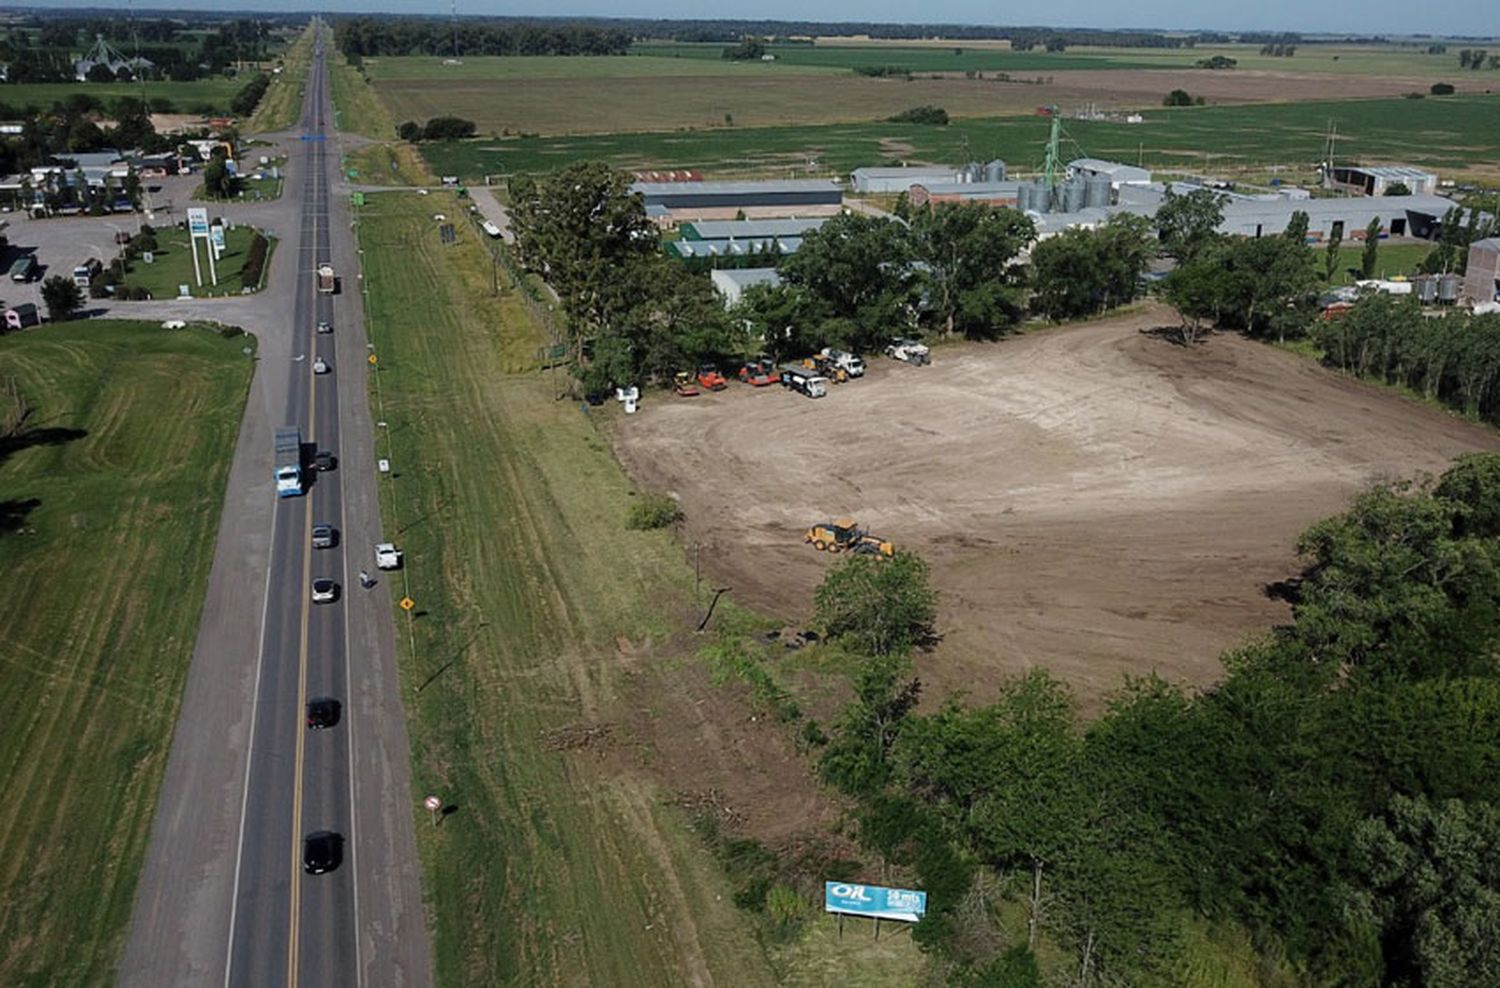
[1093,499]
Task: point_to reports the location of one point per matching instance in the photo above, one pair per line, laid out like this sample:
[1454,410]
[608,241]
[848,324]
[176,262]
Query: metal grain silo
[1097,191]
[1023,196]
[1425,287]
[973,172]
[1041,196]
[1448,286]
[1073,195]
[994,171]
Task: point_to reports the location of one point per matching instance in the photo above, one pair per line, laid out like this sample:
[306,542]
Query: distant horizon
[1442,19]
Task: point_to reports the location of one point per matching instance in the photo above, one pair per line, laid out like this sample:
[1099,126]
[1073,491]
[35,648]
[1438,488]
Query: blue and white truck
[288,462]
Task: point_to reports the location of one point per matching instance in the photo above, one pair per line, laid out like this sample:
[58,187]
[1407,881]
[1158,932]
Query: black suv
[322,711]
[322,851]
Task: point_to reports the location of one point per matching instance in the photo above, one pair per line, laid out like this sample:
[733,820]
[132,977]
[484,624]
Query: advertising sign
[216,237]
[197,221]
[874,901]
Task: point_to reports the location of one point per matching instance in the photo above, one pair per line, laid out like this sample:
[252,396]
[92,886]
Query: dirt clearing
[1091,499]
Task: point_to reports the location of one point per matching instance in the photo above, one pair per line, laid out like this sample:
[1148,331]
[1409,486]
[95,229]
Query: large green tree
[969,256]
[1080,272]
[1187,223]
[878,606]
[859,268]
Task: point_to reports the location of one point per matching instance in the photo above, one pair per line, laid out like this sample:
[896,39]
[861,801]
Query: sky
[1440,17]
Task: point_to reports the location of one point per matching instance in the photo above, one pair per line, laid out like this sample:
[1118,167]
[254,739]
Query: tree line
[49,56]
[1334,796]
[634,315]
[367,36]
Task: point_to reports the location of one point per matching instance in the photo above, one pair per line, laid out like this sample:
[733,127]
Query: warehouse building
[1482,276]
[724,200]
[1376,180]
[1269,215]
[893,181]
[732,283]
[1117,173]
[989,193]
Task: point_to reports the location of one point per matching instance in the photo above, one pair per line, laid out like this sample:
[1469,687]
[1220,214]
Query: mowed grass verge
[111,498]
[280,107]
[356,107]
[1449,133]
[530,593]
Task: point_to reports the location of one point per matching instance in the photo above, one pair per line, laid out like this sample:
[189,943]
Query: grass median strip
[528,587]
[282,104]
[116,443]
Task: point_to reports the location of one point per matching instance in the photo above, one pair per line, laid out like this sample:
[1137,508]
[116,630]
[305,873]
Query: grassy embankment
[356,107]
[531,593]
[172,265]
[1448,134]
[360,110]
[281,106]
[109,504]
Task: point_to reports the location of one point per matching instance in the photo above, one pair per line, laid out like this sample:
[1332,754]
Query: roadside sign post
[216,238]
[433,804]
[198,229]
[874,902]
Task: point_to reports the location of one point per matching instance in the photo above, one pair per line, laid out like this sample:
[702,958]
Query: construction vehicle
[827,368]
[847,362]
[759,372]
[327,283]
[684,385]
[845,535]
[710,378]
[804,381]
[909,350]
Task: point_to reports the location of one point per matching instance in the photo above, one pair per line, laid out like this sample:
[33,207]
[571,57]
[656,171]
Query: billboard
[216,237]
[874,901]
[197,221]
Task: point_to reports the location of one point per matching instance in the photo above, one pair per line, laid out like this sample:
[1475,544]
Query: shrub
[652,511]
[1441,89]
[248,97]
[934,115]
[230,332]
[1178,97]
[410,131]
[448,129]
[255,262]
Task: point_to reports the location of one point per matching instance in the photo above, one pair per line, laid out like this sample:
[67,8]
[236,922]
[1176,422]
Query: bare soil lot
[1092,499]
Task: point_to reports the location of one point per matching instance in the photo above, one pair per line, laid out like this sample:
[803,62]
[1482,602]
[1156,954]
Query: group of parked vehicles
[809,376]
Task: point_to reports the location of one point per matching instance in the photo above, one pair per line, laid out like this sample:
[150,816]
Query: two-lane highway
[224,898]
[288,927]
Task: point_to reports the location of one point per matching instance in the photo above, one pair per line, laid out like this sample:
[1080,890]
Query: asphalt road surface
[223,897]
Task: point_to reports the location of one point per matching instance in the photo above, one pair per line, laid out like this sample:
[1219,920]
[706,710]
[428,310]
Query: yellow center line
[312,419]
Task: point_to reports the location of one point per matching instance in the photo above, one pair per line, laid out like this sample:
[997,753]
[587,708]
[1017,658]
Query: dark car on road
[323,536]
[325,460]
[322,712]
[325,326]
[322,851]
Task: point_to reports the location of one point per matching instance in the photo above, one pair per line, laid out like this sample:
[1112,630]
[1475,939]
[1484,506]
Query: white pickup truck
[387,556]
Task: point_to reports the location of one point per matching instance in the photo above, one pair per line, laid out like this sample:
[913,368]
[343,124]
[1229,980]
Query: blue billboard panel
[874,901]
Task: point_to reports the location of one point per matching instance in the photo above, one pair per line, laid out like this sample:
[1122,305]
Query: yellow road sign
[374,360]
[407,603]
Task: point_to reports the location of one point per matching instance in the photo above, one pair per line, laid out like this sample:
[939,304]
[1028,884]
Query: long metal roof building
[707,195]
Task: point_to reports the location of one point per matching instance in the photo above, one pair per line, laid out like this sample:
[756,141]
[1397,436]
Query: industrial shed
[1375,180]
[990,193]
[731,283]
[1118,174]
[771,247]
[1482,276]
[749,229]
[741,195]
[893,181]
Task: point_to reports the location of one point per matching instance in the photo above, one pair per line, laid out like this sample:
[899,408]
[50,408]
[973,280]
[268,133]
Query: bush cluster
[255,261]
[246,100]
[652,511]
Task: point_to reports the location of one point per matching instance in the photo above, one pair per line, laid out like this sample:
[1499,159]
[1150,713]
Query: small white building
[731,283]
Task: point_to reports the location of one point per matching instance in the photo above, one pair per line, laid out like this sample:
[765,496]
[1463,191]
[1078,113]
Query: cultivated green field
[1449,133]
[109,503]
[202,96]
[556,868]
[172,265]
[952,57]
